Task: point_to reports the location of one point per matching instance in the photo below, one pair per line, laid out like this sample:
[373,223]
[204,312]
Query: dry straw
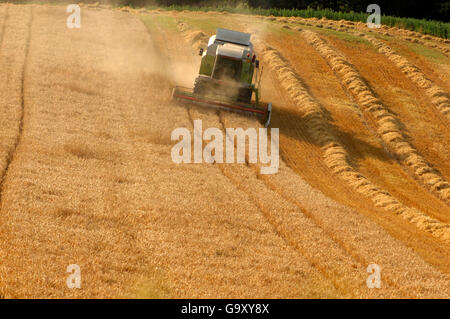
[433,42]
[387,125]
[335,156]
[436,94]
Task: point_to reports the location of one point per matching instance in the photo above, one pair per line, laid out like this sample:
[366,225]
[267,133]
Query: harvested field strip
[438,44]
[436,94]
[209,118]
[423,126]
[230,171]
[336,157]
[293,191]
[12,82]
[358,227]
[345,117]
[283,216]
[432,45]
[388,127]
[262,192]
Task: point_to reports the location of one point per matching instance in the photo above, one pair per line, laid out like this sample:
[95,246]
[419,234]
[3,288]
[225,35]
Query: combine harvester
[226,77]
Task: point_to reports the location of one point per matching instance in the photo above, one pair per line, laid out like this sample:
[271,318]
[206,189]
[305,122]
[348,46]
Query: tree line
[429,9]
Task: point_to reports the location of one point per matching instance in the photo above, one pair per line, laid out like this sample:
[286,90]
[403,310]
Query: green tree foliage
[430,9]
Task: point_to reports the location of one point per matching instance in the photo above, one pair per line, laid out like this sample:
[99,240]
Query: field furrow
[13,82]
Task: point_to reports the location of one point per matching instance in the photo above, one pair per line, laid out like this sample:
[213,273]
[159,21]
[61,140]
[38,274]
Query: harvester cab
[228,76]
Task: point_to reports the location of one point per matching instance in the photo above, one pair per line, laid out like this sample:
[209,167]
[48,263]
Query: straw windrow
[387,125]
[335,156]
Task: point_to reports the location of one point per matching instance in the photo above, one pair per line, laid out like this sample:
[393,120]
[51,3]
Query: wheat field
[86,175]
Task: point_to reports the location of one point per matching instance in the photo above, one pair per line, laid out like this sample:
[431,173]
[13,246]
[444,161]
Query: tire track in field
[5,19]
[2,36]
[10,155]
[386,125]
[10,149]
[2,253]
[215,118]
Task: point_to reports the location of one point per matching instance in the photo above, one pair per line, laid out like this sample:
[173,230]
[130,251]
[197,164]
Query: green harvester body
[227,77]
